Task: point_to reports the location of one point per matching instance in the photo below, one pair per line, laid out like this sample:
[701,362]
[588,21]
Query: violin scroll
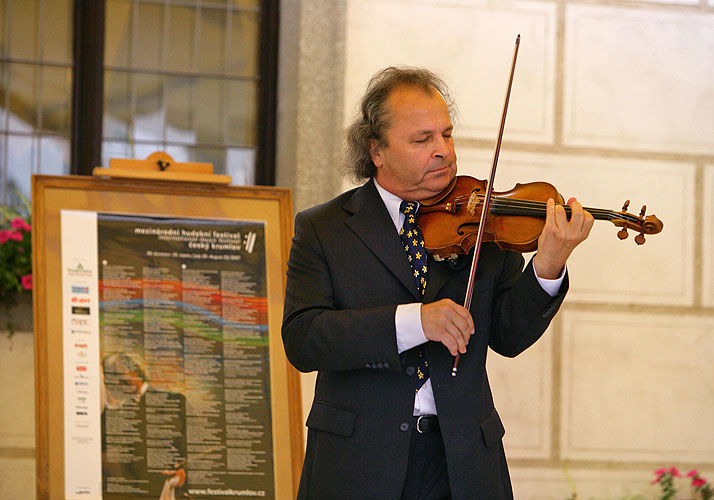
[641,224]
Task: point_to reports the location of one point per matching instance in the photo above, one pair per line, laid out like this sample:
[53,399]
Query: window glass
[179,99]
[116,118]
[190,81]
[147,43]
[179,47]
[212,41]
[118,33]
[24,23]
[244,40]
[35,92]
[56,93]
[56,32]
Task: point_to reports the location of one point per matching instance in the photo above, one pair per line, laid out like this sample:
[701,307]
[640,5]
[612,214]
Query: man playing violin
[389,421]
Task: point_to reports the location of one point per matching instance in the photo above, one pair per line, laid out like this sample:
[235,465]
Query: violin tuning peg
[622,233]
[644,209]
[624,207]
[640,239]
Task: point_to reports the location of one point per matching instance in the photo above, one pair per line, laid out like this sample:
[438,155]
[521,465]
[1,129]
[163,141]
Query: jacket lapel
[372,224]
[441,272]
[438,274]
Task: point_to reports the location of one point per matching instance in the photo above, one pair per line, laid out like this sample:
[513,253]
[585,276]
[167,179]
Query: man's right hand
[447,322]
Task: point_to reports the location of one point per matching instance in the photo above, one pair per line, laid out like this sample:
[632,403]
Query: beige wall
[612,100]
[17,411]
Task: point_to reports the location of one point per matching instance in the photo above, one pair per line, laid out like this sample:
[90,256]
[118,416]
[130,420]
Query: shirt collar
[392,202]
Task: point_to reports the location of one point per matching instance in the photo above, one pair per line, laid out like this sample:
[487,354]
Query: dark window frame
[88,89]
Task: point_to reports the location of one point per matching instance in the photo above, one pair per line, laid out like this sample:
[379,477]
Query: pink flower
[675,472]
[698,481]
[26,281]
[4,235]
[661,471]
[20,224]
[15,235]
[692,473]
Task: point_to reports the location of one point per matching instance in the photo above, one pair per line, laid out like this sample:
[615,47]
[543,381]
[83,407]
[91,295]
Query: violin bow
[487,198]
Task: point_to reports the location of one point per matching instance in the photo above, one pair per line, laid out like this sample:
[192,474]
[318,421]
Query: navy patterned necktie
[416,253]
[414,244]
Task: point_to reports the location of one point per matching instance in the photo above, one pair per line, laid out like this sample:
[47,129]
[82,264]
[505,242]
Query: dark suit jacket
[347,272]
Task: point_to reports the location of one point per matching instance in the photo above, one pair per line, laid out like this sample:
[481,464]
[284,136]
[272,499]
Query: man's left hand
[560,236]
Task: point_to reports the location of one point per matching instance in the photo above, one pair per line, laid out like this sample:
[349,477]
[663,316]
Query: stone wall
[17,412]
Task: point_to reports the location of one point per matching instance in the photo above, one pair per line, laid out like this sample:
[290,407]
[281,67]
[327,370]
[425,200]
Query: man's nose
[441,148]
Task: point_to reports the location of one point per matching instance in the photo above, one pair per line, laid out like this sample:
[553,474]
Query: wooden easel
[160,166]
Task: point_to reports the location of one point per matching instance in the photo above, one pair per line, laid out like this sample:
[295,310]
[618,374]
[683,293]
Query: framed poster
[160,371]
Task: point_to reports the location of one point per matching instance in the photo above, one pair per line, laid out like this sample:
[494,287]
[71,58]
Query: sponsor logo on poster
[80,289]
[79,270]
[80,310]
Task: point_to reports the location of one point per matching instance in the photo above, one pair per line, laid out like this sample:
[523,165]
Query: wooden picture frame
[54,196]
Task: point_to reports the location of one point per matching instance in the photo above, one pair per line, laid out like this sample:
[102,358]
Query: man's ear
[375,152]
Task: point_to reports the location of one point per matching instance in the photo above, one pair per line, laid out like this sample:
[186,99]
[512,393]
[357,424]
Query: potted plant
[15,257]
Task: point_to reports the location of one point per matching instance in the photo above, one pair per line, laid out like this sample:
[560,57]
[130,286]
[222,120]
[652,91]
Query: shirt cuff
[407,321]
[551,287]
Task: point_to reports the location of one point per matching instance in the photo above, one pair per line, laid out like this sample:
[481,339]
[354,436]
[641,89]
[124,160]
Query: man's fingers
[449,323]
[561,218]
[581,221]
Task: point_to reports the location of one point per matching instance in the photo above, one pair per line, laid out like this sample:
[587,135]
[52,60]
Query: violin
[450,220]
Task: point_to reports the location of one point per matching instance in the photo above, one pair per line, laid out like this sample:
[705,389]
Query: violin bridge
[473,203]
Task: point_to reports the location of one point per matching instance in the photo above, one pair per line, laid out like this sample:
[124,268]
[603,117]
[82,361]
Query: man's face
[418,160]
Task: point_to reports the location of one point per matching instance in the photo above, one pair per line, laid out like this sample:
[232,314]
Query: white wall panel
[639,79]
[17,478]
[673,2]
[522,393]
[561,483]
[470,44]
[656,405]
[17,357]
[708,248]
[603,268]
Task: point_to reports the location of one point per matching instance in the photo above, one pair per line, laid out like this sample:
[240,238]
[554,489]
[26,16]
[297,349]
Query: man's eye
[421,140]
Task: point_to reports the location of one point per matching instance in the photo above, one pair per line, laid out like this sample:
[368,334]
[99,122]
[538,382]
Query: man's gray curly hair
[374,120]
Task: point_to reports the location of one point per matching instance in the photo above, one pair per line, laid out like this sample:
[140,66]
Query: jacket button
[410,370]
[380,365]
[386,365]
[374,365]
[367,365]
[404,427]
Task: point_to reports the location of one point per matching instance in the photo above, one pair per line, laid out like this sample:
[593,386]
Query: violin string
[539,207]
[532,207]
[527,207]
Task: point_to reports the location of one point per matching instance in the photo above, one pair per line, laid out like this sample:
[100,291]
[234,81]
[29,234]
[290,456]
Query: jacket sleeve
[522,309]
[318,335]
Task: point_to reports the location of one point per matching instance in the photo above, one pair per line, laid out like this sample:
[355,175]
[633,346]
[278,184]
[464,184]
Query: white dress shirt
[407,319]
